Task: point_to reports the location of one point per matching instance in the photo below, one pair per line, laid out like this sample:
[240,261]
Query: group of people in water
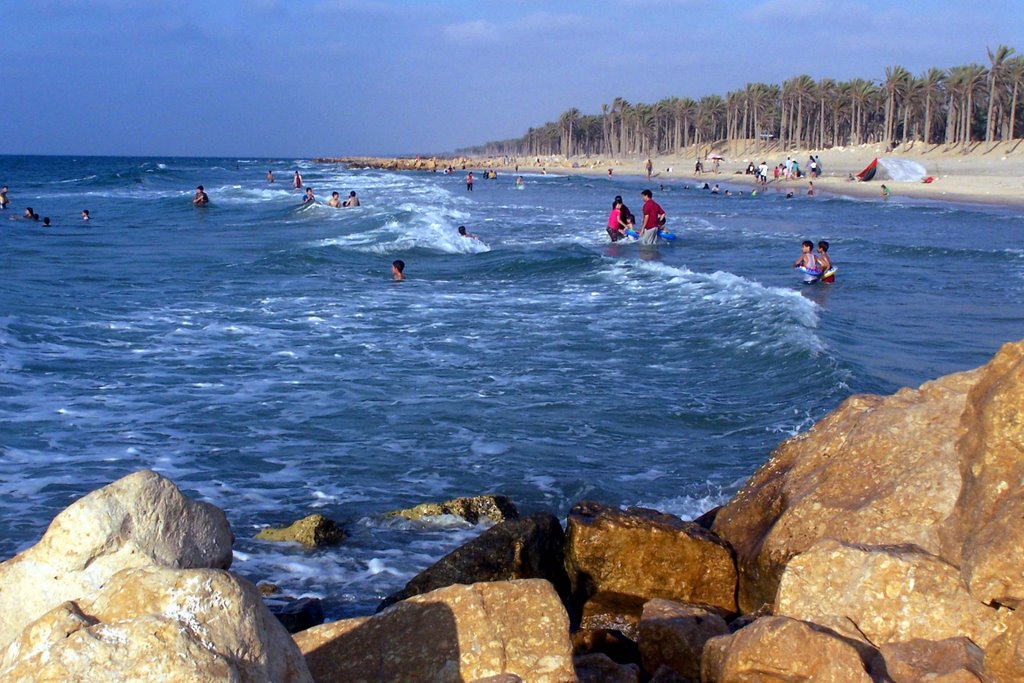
[200,198]
[30,214]
[815,267]
[622,222]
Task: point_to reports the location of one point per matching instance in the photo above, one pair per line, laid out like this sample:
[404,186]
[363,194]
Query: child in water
[824,262]
[807,261]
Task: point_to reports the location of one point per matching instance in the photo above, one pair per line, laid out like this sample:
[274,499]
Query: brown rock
[528,548]
[674,635]
[495,508]
[312,531]
[141,519]
[1004,656]
[600,668]
[986,537]
[647,554]
[955,660]
[458,633]
[876,470]
[158,624]
[891,593]
[613,611]
[782,650]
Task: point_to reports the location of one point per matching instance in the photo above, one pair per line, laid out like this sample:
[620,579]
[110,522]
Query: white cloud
[476,31]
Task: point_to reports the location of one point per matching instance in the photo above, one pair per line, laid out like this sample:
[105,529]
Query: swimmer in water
[297,181]
[352,200]
[85,215]
[200,198]
[462,231]
[334,201]
[309,198]
[270,176]
[398,270]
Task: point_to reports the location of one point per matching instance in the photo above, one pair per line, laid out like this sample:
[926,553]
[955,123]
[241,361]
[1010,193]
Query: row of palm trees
[955,107]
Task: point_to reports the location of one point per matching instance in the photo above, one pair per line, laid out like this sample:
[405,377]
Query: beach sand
[986,174]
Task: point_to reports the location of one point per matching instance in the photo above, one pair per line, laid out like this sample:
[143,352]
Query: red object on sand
[929,179]
[869,171]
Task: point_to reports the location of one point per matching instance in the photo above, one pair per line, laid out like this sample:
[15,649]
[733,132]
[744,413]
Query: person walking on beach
[352,200]
[654,218]
[469,181]
[398,270]
[649,167]
[200,198]
[297,181]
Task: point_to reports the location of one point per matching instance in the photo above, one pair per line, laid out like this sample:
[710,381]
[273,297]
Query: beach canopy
[889,168]
[716,156]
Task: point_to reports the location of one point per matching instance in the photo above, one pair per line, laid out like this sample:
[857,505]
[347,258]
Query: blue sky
[331,77]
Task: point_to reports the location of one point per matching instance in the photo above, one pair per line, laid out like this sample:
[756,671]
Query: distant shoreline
[991,175]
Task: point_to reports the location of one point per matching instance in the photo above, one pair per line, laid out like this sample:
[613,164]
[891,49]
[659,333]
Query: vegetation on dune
[956,107]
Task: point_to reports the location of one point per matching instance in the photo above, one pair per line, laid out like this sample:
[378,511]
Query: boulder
[158,624]
[457,633]
[600,668]
[891,593]
[495,508]
[674,635]
[985,536]
[298,615]
[141,519]
[647,554]
[313,531]
[528,548]
[1004,656]
[612,612]
[954,660]
[882,471]
[782,650]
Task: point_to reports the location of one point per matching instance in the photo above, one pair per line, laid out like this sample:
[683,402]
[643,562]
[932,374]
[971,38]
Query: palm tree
[998,61]
[826,91]
[897,79]
[932,83]
[569,119]
[1015,72]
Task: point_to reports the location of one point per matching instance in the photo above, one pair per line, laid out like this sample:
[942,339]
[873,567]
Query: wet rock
[141,519]
[454,633]
[528,548]
[298,615]
[673,635]
[495,508]
[891,593]
[781,650]
[313,531]
[158,624]
[955,660]
[647,554]
[599,668]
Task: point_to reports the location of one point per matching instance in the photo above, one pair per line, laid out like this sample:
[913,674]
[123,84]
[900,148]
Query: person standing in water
[297,181]
[649,166]
[4,201]
[885,193]
[334,201]
[469,181]
[200,198]
[654,218]
[615,229]
[270,176]
[398,270]
[824,262]
[352,200]
[309,198]
[85,215]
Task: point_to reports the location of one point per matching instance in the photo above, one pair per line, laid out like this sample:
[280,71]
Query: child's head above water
[823,246]
[808,245]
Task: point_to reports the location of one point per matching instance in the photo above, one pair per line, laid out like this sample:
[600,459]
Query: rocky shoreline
[885,544]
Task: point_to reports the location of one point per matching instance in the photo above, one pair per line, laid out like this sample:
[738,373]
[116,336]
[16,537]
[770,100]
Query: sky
[303,78]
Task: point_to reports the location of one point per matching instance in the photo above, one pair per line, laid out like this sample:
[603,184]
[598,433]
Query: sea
[259,354]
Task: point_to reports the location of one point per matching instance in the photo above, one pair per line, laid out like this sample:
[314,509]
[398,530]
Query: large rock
[986,537]
[528,548]
[142,519]
[158,624]
[955,660]
[891,593]
[782,650]
[494,507]
[648,554]
[458,633]
[876,470]
[313,531]
[674,635]
[1004,656]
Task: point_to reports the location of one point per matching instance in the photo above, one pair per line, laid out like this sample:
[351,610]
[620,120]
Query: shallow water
[258,354]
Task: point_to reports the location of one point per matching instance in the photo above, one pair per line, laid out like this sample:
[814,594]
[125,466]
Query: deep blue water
[259,354]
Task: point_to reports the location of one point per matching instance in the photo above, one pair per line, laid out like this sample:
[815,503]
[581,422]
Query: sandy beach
[984,174]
